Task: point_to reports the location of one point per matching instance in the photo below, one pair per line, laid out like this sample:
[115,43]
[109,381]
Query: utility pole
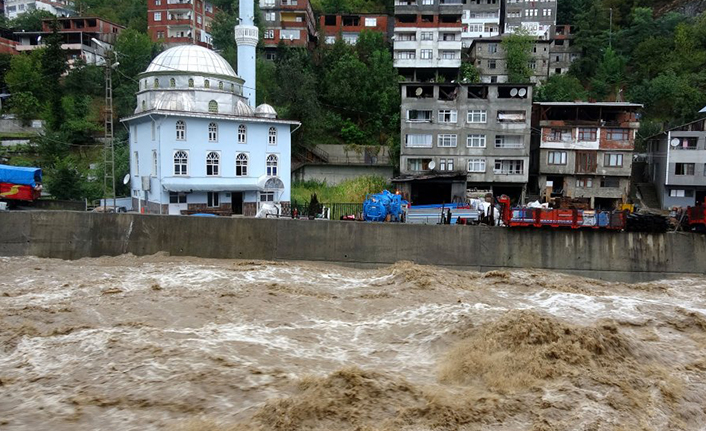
[108,147]
[610,30]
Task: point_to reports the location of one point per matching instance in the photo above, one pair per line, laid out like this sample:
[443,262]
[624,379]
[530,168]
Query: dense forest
[342,93]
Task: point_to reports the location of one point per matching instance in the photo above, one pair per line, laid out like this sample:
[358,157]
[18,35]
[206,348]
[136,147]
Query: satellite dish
[432,165]
[523,92]
[126,179]
[513,92]
[675,142]
[418,91]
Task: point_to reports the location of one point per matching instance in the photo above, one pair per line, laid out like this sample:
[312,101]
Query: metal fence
[336,210]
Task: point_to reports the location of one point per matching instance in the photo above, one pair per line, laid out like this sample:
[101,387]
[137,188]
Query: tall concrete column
[246,36]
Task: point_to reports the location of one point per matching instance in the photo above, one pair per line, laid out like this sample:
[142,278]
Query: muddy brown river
[166,343]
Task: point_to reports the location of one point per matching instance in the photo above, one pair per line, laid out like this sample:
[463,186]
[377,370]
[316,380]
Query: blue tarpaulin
[20,175]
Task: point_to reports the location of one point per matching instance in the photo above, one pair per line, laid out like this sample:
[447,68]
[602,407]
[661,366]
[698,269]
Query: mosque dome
[191,59]
[265,111]
[242,109]
[174,101]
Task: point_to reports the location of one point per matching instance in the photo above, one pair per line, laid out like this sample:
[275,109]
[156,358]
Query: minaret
[246,35]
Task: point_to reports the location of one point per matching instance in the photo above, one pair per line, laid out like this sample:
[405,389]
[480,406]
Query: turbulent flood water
[163,343]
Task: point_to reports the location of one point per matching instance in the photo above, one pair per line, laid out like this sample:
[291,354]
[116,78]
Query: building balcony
[293,24]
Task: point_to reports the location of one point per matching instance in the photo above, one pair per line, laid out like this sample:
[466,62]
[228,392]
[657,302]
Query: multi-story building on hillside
[535,17]
[427,40]
[585,149]
[456,137]
[676,161]
[562,51]
[290,21]
[348,27]
[13,8]
[78,34]
[481,19]
[489,58]
[180,22]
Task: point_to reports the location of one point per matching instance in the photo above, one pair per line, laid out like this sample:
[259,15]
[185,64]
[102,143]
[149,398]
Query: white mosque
[197,141]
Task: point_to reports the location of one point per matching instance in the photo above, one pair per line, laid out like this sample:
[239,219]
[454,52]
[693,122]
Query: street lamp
[108,147]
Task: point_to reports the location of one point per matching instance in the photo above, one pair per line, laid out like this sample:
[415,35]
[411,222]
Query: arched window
[242,134]
[241,165]
[213,132]
[212,163]
[180,130]
[220,85]
[272,139]
[191,82]
[206,83]
[172,82]
[144,105]
[272,165]
[156,83]
[213,106]
[181,162]
[232,88]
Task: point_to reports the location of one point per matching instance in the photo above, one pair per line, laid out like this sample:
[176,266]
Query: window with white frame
[476,165]
[613,160]
[180,130]
[289,34]
[213,199]
[676,193]
[446,164]
[556,157]
[405,55]
[137,163]
[426,35]
[181,162]
[446,140]
[270,16]
[584,182]
[154,163]
[418,164]
[475,141]
[269,34]
[477,116]
[242,134]
[509,167]
[419,115]
[267,196]
[158,16]
[213,161]
[684,168]
[447,116]
[241,165]
[272,136]
[177,198]
[371,22]
[509,141]
[426,54]
[418,141]
[212,132]
[272,165]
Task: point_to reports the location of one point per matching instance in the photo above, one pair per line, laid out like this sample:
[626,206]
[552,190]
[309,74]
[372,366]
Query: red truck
[20,183]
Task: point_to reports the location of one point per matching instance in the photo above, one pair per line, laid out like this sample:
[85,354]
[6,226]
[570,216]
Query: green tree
[610,77]
[53,67]
[134,51]
[518,52]
[25,75]
[26,107]
[561,88]
[64,180]
[469,73]
[30,21]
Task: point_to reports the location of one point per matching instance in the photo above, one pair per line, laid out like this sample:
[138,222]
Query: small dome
[265,111]
[242,109]
[191,58]
[174,101]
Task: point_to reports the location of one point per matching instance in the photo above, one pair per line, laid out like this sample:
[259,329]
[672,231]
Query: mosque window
[181,162]
[191,82]
[272,138]
[272,165]
[213,132]
[213,160]
[232,88]
[172,82]
[206,83]
[213,106]
[220,85]
[156,83]
[144,105]
[180,130]
[241,165]
[242,134]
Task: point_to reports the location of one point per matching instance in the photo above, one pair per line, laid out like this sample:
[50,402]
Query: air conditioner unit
[146,183]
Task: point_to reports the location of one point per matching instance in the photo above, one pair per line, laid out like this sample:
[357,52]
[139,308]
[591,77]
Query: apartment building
[291,22]
[586,149]
[13,8]
[348,27]
[78,34]
[490,59]
[562,51]
[481,19]
[427,39]
[180,22]
[676,164]
[535,17]
[456,137]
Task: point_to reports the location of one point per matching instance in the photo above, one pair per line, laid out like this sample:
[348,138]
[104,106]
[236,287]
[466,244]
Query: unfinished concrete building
[349,26]
[490,59]
[534,17]
[562,52]
[586,149]
[458,137]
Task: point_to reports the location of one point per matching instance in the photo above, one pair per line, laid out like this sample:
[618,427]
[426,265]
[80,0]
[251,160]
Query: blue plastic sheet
[20,175]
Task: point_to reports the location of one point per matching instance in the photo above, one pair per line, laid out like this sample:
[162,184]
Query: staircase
[302,156]
[647,194]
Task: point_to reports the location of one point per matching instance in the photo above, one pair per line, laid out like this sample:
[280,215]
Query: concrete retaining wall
[607,255]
